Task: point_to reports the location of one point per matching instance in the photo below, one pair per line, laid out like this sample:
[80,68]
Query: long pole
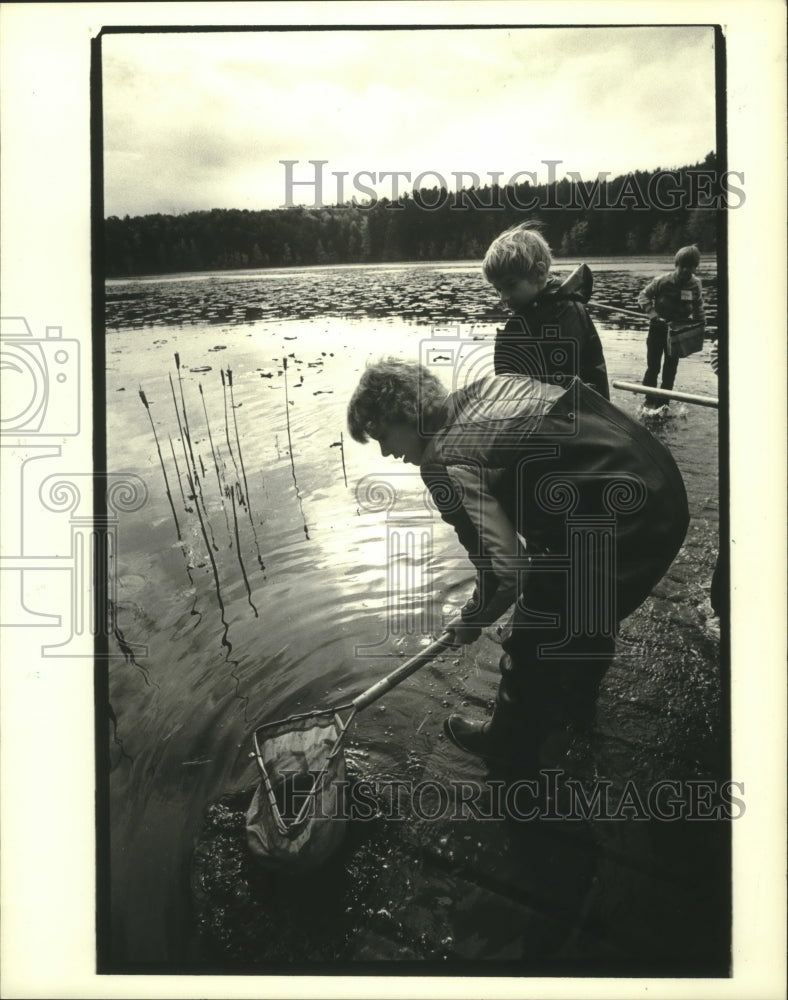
[442,643]
[629,312]
[683,397]
[617,309]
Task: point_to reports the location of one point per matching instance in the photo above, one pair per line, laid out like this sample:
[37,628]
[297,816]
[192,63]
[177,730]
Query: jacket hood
[576,287]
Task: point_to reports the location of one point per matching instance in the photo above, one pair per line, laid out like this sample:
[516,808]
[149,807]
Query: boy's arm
[487,535]
[647,297]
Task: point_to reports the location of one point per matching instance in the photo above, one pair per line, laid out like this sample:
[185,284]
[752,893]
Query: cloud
[202,120]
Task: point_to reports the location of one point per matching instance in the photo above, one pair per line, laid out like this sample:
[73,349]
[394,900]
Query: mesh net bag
[295,817]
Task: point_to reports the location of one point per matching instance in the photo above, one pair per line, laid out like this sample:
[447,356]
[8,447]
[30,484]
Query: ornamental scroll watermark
[89,562]
[411,607]
[588,562]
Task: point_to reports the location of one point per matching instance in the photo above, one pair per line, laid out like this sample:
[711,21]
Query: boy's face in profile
[684,271]
[517,292]
[400,440]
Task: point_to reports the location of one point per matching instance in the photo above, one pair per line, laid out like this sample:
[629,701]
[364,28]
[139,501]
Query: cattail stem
[227,424]
[237,438]
[163,467]
[197,480]
[177,472]
[287,419]
[188,451]
[240,560]
[290,449]
[215,463]
[342,454]
[210,438]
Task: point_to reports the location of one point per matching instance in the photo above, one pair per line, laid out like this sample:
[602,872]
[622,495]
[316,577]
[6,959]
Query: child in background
[546,312]
[673,298]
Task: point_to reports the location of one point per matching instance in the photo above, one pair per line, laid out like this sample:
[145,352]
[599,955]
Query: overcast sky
[200,121]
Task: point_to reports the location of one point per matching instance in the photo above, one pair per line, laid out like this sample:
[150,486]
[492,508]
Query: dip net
[295,819]
[297,816]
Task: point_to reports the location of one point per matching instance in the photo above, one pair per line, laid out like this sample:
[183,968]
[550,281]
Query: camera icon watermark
[59,561]
[40,381]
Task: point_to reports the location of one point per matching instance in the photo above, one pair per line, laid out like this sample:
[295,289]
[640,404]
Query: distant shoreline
[660,260]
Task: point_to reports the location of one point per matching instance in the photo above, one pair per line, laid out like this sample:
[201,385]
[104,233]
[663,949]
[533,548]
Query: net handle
[443,642]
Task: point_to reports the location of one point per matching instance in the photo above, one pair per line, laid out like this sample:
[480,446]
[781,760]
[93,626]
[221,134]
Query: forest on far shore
[644,212]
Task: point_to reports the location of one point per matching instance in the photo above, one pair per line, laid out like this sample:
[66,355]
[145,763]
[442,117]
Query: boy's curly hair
[394,391]
[516,252]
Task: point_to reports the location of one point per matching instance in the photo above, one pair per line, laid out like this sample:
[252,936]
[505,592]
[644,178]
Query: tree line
[646,212]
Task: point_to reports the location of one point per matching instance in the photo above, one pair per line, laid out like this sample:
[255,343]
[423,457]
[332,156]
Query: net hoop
[295,817]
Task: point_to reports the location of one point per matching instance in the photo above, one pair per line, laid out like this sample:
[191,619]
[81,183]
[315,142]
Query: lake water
[270,584]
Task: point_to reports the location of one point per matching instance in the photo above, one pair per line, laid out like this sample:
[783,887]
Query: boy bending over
[597,501]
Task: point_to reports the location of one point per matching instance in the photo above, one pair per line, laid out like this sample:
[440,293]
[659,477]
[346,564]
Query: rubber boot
[499,740]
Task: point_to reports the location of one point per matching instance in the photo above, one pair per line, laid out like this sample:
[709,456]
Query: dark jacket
[554,340]
[514,456]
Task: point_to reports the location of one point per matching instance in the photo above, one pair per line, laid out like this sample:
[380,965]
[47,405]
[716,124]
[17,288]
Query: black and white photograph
[387,494]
